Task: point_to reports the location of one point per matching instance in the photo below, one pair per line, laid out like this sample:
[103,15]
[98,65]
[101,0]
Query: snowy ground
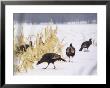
[83,63]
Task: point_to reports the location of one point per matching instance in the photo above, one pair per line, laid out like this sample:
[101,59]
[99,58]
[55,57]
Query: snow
[83,63]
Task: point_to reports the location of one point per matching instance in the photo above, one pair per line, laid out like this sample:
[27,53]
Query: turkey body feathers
[70,51]
[85,44]
[50,58]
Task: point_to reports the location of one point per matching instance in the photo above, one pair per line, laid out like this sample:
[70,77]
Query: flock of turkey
[52,57]
[45,51]
[70,52]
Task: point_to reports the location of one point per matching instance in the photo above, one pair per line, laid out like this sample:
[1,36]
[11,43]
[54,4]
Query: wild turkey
[70,51]
[50,58]
[86,44]
[24,47]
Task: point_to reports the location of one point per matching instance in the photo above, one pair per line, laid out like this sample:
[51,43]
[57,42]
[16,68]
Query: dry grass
[46,41]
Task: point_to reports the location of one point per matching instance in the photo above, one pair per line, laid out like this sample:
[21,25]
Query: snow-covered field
[83,63]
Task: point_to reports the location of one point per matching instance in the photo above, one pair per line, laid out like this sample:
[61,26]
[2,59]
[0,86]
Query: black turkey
[86,44]
[70,51]
[50,58]
[24,47]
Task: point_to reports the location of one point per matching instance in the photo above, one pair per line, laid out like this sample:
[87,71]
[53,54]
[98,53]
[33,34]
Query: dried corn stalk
[46,42]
